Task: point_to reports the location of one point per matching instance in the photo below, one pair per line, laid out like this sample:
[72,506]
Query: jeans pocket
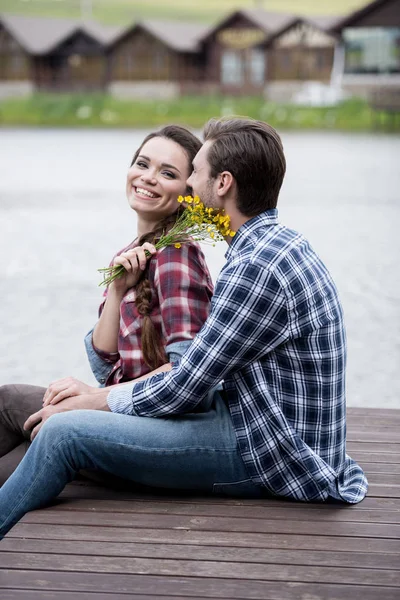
[239,489]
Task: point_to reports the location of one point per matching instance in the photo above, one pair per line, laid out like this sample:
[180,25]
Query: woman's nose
[149,177]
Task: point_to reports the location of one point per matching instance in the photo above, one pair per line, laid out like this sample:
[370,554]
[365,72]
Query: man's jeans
[197,451]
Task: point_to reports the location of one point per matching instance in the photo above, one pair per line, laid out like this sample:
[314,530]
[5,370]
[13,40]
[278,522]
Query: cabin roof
[41,35]
[354,17]
[177,35]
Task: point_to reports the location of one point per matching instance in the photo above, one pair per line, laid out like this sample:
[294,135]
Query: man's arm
[248,319]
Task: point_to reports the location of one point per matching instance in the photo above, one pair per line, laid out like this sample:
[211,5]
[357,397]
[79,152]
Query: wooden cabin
[302,51]
[236,50]
[53,54]
[371,44]
[156,58]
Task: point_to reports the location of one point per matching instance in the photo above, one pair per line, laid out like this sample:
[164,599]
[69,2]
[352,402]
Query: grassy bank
[123,12]
[100,110]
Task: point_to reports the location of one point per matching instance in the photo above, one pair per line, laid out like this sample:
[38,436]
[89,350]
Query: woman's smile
[143,192]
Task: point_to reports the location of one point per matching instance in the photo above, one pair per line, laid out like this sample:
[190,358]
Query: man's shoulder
[273,245]
[285,253]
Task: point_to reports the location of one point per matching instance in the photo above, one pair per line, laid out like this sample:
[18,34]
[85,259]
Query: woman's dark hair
[252,152]
[152,348]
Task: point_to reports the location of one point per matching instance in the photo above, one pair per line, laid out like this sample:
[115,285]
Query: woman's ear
[225,183]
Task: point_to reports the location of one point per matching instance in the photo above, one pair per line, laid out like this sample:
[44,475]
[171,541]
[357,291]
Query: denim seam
[167,450]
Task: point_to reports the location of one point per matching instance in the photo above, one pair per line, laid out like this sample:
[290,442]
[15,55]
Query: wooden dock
[102,544]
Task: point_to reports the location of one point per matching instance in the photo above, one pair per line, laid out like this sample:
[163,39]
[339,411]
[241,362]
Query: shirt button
[102,380]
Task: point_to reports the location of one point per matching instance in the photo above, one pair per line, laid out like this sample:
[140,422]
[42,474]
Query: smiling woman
[148,317]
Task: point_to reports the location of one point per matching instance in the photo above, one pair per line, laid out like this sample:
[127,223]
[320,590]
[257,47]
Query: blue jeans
[195,451]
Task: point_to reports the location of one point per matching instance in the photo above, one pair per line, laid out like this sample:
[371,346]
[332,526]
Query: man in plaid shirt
[271,356]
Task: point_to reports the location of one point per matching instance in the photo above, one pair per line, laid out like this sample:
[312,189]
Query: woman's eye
[169,174]
[140,163]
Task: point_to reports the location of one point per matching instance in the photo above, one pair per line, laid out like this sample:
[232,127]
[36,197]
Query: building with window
[370,43]
[249,52]
[156,59]
[52,54]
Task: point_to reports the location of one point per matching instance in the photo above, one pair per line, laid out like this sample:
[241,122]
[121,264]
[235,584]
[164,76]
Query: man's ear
[225,183]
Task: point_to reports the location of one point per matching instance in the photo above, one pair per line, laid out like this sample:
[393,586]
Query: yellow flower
[196,222]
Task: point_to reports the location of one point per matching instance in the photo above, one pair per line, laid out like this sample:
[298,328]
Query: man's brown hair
[252,152]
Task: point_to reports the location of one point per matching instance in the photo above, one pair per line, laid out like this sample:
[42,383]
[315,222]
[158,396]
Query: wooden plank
[384,491]
[391,479]
[204,538]
[100,493]
[383,467]
[382,413]
[206,523]
[371,447]
[366,428]
[299,512]
[204,569]
[157,587]
[57,595]
[379,420]
[377,459]
[326,558]
[391,436]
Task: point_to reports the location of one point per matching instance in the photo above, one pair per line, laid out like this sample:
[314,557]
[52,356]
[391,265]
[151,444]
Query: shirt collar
[264,219]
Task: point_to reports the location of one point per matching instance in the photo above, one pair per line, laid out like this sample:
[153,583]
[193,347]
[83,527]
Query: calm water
[63,214]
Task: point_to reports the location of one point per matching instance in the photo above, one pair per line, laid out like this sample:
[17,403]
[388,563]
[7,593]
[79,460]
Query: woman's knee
[27,398]
[7,396]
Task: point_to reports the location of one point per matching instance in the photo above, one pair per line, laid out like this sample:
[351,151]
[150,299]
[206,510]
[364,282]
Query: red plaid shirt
[182,291]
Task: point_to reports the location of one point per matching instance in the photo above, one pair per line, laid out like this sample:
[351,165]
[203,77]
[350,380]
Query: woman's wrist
[115,293]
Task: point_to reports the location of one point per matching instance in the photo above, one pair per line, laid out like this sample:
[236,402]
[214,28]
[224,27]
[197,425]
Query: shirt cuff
[111,357]
[119,399]
[176,350]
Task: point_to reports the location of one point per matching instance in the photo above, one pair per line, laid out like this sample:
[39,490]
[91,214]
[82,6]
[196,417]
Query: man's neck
[237,219]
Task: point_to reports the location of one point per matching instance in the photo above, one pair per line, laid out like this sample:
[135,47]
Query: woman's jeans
[196,451]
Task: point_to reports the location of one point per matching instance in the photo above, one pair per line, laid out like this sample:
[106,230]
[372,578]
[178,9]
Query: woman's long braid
[152,347]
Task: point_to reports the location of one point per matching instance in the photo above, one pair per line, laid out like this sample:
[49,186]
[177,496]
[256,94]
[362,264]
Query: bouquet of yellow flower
[196,222]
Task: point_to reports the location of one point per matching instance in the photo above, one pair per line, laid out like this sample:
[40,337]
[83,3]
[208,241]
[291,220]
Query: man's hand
[92,401]
[65,388]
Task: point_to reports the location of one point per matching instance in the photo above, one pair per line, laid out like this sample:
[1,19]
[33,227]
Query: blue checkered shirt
[276,337]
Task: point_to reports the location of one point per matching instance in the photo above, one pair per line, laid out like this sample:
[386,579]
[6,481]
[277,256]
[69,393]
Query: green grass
[101,110]
[124,12]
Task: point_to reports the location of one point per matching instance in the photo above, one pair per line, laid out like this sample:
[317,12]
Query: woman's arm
[105,333]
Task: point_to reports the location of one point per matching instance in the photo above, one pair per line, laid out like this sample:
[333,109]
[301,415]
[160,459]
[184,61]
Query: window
[232,67]
[159,60]
[285,60]
[372,50]
[257,66]
[17,64]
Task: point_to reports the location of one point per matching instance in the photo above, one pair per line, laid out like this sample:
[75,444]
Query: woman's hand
[134,262]
[65,388]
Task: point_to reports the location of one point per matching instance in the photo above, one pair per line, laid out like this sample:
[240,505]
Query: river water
[63,214]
